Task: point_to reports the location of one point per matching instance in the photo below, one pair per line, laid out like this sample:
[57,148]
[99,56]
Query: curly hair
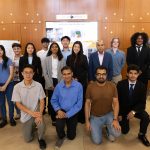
[136,35]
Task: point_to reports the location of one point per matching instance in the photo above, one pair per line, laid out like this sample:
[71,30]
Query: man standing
[31,105]
[100,96]
[67,102]
[100,58]
[42,54]
[118,57]
[65,41]
[17,51]
[139,54]
[132,100]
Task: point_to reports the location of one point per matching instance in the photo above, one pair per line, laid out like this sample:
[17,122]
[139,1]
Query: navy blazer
[94,63]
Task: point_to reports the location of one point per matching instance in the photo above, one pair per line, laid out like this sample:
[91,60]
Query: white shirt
[54,67]
[30,58]
[100,56]
[132,83]
[139,46]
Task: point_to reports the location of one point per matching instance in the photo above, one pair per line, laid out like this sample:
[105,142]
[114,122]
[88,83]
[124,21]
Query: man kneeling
[29,98]
[100,96]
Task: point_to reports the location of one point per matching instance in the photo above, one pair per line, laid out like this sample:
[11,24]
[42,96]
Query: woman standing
[54,62]
[6,87]
[79,64]
[30,57]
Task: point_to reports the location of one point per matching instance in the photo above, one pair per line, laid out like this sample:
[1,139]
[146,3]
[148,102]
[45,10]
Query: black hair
[4,57]
[66,68]
[28,66]
[113,41]
[26,53]
[16,45]
[77,58]
[59,54]
[133,67]
[101,68]
[136,35]
[45,40]
[66,37]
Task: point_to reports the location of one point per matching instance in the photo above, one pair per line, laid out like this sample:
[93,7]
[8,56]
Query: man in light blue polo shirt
[118,57]
[67,102]
[65,41]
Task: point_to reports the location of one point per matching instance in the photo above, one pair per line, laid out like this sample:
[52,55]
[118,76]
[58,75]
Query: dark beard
[101,82]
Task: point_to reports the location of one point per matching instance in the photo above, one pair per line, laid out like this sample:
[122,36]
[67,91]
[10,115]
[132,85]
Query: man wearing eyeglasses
[102,107]
[29,98]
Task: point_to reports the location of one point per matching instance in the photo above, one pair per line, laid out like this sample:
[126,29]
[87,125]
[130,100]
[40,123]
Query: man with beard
[102,107]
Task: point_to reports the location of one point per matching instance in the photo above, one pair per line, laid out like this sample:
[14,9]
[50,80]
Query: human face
[139,40]
[54,49]
[76,48]
[30,49]
[115,43]
[67,75]
[45,45]
[28,74]
[100,46]
[65,42]
[101,76]
[132,75]
[17,50]
[1,52]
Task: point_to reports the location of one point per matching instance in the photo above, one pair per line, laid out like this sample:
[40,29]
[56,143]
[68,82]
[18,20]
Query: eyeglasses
[101,74]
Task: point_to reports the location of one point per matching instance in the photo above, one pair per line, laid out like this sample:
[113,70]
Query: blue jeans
[97,124]
[7,94]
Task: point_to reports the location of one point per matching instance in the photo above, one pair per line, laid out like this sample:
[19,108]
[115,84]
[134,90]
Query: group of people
[76,88]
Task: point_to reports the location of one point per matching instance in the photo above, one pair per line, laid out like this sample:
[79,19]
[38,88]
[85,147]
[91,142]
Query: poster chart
[86,32]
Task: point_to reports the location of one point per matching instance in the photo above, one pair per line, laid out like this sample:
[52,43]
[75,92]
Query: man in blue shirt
[67,102]
[65,41]
[118,57]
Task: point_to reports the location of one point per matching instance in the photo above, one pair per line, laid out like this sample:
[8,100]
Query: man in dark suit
[139,54]
[132,101]
[98,58]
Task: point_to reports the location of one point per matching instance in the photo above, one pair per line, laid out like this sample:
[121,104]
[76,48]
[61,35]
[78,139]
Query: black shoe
[144,140]
[59,142]
[3,123]
[12,122]
[42,144]
[53,123]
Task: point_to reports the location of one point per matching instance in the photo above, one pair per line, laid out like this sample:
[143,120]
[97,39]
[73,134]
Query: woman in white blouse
[53,64]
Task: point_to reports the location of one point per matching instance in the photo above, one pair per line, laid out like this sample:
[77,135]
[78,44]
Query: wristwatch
[133,112]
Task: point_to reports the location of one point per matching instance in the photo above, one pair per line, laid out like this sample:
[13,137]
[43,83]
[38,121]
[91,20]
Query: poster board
[8,47]
[86,32]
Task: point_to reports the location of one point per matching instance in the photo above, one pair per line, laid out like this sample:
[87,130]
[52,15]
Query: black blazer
[143,60]
[138,97]
[36,62]
[79,71]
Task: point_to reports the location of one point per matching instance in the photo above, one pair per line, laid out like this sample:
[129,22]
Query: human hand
[116,125]
[88,126]
[61,114]
[130,115]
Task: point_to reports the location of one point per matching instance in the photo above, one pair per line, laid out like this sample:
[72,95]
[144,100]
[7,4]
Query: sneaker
[3,123]
[12,122]
[42,144]
[17,116]
[59,143]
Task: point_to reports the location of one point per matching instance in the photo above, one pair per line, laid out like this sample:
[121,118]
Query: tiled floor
[11,139]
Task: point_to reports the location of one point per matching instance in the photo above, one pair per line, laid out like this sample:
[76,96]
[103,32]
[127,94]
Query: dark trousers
[51,110]
[43,85]
[144,122]
[71,127]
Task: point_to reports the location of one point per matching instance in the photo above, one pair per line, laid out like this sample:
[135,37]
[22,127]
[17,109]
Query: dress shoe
[144,140]
[3,123]
[12,122]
